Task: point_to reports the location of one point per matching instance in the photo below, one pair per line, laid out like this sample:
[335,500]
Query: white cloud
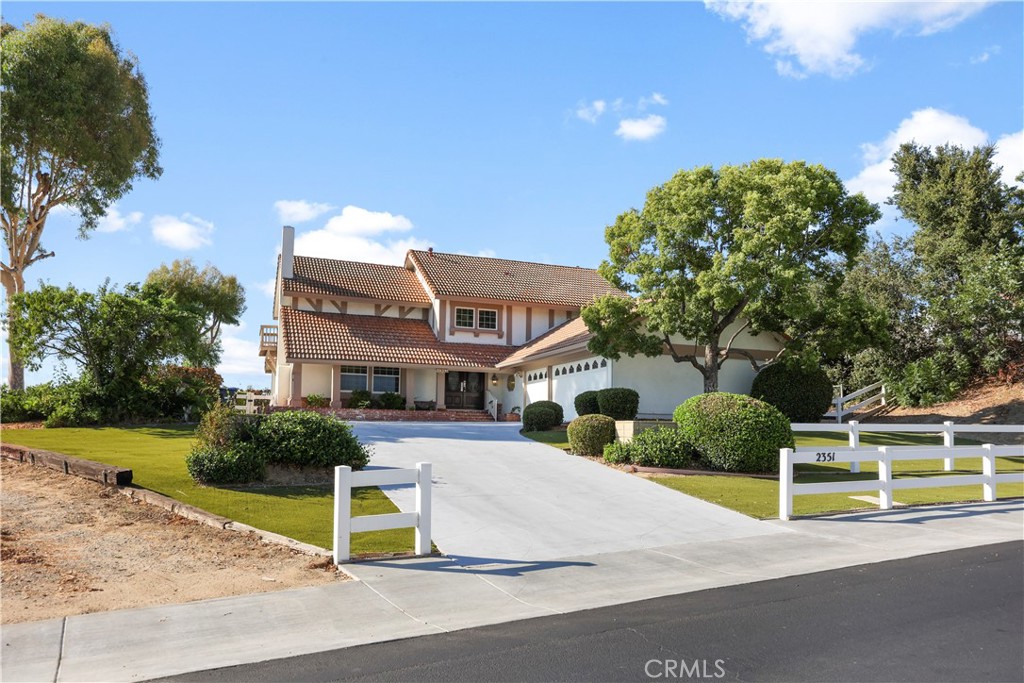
[268,287]
[986,54]
[929,127]
[483,253]
[356,221]
[655,98]
[1010,155]
[113,221]
[348,236]
[241,355]
[821,36]
[646,128]
[590,112]
[187,232]
[299,210]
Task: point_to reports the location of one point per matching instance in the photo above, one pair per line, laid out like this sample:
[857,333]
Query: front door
[464,390]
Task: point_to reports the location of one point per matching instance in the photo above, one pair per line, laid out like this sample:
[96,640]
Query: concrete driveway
[500,496]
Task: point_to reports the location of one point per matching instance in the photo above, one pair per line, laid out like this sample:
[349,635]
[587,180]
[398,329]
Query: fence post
[342,513]
[854,443]
[785,483]
[988,469]
[883,394]
[884,479]
[423,508]
[947,441]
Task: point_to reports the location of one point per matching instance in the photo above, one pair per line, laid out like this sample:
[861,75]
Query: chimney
[288,252]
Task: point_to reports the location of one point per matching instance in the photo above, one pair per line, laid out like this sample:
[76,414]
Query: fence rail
[252,402]
[886,483]
[947,429]
[840,409]
[345,524]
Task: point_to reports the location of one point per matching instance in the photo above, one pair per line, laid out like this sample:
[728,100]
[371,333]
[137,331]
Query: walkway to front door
[464,390]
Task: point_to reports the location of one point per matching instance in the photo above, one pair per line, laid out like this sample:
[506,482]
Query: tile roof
[457,275]
[373,339]
[569,335]
[326,276]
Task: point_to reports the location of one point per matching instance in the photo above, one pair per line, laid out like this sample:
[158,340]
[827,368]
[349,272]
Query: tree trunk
[14,283]
[711,368]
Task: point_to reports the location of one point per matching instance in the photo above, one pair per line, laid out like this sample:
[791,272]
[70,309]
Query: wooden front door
[464,390]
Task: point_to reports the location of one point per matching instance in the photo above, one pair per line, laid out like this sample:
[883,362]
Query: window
[385,379]
[464,317]
[353,377]
[487,319]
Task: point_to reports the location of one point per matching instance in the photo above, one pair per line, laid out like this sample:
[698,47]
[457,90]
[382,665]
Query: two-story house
[463,332]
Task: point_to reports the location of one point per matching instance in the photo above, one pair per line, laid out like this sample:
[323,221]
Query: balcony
[268,339]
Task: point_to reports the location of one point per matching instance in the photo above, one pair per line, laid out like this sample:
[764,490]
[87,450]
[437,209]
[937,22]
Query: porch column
[335,386]
[439,391]
[295,396]
[410,388]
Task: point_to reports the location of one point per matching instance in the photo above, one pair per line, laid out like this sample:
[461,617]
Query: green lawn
[156,456]
[760,497]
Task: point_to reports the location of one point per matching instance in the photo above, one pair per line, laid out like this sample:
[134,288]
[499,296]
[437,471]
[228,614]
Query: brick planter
[382,415]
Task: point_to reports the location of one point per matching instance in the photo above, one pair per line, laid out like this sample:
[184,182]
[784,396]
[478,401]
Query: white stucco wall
[519,325]
[316,379]
[663,384]
[566,386]
[424,383]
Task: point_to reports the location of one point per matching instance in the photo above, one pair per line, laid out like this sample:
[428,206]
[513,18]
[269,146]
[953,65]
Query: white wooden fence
[345,524]
[253,402]
[886,483]
[948,430]
[840,409]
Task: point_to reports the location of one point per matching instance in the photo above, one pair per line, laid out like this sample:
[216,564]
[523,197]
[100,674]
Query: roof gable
[355,279]
[477,277]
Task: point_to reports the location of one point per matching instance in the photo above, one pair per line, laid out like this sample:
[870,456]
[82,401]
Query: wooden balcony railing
[268,339]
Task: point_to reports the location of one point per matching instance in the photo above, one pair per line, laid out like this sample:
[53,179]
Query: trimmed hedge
[589,434]
[734,433]
[661,447]
[801,394]
[238,464]
[586,403]
[301,437]
[618,403]
[389,400]
[559,413]
[539,416]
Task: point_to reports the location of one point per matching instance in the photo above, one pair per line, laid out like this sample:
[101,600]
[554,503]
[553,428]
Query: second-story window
[465,317]
[487,319]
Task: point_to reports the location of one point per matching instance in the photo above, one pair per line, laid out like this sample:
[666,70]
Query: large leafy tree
[215,298]
[115,338]
[970,245]
[762,247]
[77,131]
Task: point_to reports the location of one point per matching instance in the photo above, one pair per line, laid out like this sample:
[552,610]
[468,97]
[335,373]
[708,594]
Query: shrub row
[659,447]
[389,400]
[235,448]
[618,403]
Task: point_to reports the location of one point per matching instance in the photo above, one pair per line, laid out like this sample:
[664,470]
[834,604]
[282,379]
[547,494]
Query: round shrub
[389,400]
[304,438]
[661,447]
[734,433]
[589,434]
[586,403]
[801,394]
[360,398]
[318,401]
[539,416]
[555,408]
[237,464]
[618,403]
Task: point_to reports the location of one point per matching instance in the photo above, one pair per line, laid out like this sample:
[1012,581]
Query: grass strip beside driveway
[156,456]
[760,497]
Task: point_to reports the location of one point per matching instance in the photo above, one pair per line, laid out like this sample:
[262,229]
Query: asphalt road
[956,616]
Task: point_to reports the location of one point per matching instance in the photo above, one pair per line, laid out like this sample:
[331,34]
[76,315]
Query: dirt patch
[70,546]
[986,403]
[23,425]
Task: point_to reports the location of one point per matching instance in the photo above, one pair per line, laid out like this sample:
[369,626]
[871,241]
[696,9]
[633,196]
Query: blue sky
[517,130]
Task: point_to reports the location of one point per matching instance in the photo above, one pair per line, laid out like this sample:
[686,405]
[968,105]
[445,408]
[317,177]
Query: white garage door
[572,379]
